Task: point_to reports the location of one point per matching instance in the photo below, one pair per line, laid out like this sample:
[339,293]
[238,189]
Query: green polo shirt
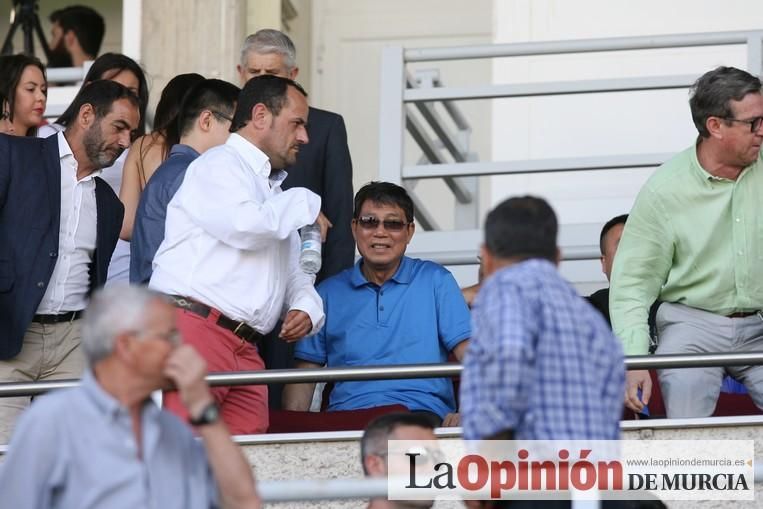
[691,239]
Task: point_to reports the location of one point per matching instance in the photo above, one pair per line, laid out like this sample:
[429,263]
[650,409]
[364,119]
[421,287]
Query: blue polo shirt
[416,317]
[148,230]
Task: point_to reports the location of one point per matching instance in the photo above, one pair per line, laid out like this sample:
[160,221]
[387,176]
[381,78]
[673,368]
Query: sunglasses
[372,223]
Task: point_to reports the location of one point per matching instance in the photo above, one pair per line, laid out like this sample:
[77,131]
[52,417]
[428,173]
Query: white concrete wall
[601,124]
[347,42]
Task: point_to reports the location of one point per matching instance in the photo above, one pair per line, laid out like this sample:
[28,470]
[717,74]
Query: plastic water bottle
[310,256]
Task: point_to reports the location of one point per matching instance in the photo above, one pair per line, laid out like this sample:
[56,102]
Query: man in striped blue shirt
[542,363]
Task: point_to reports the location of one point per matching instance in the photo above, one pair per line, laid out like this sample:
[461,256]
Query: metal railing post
[755,54]
[391,115]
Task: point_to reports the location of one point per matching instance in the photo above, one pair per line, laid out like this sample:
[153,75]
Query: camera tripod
[24,14]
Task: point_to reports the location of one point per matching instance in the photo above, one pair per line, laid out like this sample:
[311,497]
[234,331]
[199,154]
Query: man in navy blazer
[59,223]
[323,166]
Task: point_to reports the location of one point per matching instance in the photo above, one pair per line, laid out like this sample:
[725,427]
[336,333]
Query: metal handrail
[648,42]
[401,371]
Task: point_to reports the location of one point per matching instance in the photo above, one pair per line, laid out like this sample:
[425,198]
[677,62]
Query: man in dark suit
[323,166]
[59,223]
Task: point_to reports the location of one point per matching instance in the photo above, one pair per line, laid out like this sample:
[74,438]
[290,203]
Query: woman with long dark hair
[125,71]
[149,151]
[25,89]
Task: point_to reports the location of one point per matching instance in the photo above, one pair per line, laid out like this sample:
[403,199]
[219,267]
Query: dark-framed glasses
[372,223]
[755,123]
[221,115]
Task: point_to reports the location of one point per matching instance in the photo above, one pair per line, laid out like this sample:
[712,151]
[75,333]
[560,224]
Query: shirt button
[738,220]
[381,308]
[740,253]
[40,284]
[53,254]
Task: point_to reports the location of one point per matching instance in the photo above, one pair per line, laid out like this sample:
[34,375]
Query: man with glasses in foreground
[694,240]
[387,309]
[204,119]
[106,444]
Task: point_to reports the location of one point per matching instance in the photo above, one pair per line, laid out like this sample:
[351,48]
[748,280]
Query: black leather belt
[64,317]
[240,329]
[743,314]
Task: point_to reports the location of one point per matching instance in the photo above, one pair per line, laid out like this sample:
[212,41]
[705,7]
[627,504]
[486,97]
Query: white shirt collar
[65,152]
[256,158]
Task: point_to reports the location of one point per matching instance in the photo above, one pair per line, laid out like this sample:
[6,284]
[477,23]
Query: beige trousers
[49,352]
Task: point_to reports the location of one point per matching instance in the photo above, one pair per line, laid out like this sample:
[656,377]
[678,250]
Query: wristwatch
[209,415]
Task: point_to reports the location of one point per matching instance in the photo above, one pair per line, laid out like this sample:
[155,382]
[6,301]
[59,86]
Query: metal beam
[401,371]
[577,46]
[419,135]
[610,162]
[420,212]
[755,55]
[548,88]
[431,152]
[391,114]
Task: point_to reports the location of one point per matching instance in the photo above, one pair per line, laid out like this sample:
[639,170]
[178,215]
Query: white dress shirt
[69,285]
[231,239]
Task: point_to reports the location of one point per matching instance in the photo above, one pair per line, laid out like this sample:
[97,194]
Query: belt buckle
[237,333]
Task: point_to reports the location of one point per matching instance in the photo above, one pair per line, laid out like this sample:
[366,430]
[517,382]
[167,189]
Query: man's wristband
[209,415]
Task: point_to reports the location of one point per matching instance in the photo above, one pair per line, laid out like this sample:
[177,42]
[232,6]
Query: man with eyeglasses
[106,444]
[694,239]
[387,309]
[205,116]
[230,254]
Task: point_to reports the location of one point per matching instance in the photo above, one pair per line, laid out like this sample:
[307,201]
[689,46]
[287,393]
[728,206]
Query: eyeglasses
[372,223]
[173,337]
[221,115]
[755,123]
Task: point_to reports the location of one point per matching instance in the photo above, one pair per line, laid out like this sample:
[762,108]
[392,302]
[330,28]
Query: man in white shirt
[230,255]
[59,223]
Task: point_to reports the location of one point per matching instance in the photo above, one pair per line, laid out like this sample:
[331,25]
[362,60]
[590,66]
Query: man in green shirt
[694,239]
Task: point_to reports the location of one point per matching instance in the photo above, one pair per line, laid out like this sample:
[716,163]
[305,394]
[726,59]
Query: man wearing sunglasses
[694,239]
[387,309]
[204,119]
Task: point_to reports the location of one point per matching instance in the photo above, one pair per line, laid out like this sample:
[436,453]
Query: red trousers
[244,408]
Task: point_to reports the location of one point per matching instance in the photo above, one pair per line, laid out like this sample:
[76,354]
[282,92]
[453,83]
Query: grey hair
[267,41]
[112,311]
[712,93]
